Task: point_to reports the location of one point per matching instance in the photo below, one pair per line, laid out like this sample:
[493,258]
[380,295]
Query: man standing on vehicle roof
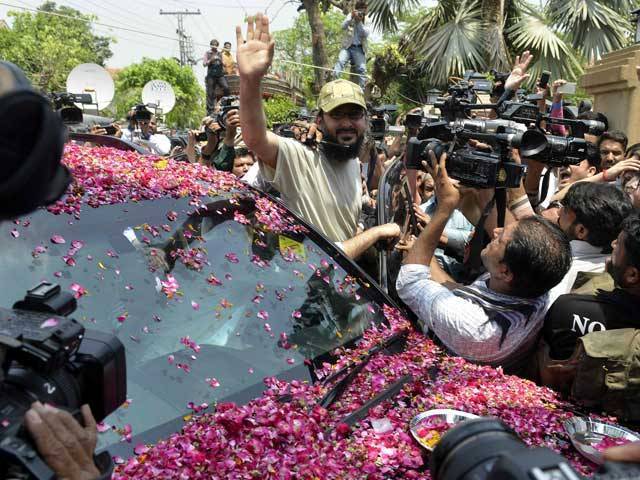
[323,185]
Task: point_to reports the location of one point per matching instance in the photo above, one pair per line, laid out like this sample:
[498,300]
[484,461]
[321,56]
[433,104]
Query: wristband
[524,199]
[604,175]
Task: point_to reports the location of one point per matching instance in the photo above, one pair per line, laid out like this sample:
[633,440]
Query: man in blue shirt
[354,44]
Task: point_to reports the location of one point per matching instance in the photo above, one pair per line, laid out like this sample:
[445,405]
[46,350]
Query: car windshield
[207,301]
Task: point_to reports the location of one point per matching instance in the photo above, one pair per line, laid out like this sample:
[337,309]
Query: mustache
[346,130]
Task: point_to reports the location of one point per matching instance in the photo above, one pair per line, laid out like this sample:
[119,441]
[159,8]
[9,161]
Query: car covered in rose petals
[211,286]
[254,348]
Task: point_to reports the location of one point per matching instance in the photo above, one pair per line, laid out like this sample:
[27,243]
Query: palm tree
[383,13]
[458,35]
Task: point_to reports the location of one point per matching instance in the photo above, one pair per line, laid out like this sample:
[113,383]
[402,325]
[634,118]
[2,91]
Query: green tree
[563,35]
[47,46]
[278,109]
[189,108]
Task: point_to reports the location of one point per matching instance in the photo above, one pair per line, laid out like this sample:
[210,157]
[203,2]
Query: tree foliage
[278,109]
[189,108]
[563,36]
[47,46]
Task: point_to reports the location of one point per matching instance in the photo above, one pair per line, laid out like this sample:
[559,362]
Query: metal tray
[452,417]
[586,432]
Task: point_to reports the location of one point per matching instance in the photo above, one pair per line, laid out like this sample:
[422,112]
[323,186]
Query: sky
[217,20]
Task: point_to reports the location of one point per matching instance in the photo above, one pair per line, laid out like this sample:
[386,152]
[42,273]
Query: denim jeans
[355,55]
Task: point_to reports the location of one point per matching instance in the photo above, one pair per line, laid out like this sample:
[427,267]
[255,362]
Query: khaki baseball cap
[340,92]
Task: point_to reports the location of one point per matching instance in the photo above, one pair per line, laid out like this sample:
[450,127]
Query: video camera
[486,449]
[50,358]
[65,105]
[379,119]
[141,113]
[228,103]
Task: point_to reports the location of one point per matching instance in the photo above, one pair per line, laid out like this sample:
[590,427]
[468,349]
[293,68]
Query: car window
[207,301]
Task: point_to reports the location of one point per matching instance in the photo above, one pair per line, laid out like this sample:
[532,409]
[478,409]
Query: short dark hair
[601,208]
[227,43]
[631,229]
[538,256]
[633,150]
[591,115]
[616,136]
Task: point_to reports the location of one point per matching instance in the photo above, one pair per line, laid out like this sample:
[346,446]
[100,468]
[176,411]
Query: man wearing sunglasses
[322,185]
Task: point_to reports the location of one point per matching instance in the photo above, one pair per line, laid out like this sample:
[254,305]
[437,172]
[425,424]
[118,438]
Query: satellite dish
[92,79]
[159,94]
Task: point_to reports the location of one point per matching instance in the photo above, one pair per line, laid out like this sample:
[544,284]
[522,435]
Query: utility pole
[185,41]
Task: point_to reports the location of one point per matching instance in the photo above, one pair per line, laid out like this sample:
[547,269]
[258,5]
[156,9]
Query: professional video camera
[141,113]
[228,103]
[485,448]
[380,119]
[65,105]
[54,360]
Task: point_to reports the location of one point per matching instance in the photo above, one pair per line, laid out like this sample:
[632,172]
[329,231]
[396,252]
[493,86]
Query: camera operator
[496,319]
[322,185]
[573,316]
[214,62]
[591,216]
[158,143]
[33,176]
[354,44]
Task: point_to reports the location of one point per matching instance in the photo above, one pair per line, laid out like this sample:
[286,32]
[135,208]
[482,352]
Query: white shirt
[463,325]
[157,143]
[585,258]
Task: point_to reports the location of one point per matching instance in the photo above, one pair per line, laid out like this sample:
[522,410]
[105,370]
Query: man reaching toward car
[322,185]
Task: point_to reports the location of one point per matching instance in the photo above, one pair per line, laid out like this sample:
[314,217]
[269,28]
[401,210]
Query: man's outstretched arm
[254,59]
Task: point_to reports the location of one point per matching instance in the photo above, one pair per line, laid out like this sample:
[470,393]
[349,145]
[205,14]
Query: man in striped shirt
[497,319]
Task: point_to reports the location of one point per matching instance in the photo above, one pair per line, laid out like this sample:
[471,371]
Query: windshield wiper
[397,341]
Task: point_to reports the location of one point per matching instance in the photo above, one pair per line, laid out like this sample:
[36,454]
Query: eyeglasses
[351,115]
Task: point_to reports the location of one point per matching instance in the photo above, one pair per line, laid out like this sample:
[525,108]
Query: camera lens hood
[31,145]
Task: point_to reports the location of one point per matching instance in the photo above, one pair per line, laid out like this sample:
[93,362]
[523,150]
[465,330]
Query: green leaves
[48,47]
[383,13]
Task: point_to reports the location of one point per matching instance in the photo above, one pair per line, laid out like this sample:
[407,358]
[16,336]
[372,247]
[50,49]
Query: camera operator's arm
[212,128]
[517,198]
[254,59]
[624,453]
[448,198]
[65,446]
[226,155]
[517,76]
[191,146]
[557,108]
[349,20]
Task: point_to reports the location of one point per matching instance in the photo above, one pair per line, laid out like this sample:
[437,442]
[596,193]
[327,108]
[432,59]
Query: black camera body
[228,103]
[141,113]
[486,449]
[50,358]
[65,105]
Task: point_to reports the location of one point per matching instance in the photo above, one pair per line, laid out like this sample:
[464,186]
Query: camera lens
[469,450]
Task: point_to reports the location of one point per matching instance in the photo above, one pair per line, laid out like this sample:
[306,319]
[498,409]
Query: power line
[139,32]
[186,42]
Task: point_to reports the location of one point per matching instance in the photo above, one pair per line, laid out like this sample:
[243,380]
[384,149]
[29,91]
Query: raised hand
[519,71]
[256,53]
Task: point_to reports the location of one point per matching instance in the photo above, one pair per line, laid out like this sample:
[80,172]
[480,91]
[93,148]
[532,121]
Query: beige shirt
[326,193]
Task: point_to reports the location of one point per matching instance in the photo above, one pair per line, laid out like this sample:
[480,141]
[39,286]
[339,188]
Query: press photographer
[144,132]
[37,439]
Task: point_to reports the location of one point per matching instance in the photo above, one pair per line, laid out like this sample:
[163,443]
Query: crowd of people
[562,261]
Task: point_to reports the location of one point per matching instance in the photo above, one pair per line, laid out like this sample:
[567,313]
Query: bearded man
[322,185]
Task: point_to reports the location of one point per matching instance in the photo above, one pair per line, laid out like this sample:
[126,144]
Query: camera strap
[473,264]
[544,189]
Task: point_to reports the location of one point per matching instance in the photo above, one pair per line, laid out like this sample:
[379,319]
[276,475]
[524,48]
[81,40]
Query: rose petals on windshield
[102,427]
[290,361]
[296,314]
[69,260]
[224,303]
[49,323]
[122,318]
[171,216]
[267,327]
[195,305]
[240,218]
[171,359]
[257,299]
[232,257]
[15,233]
[39,250]
[78,290]
[140,449]
[213,383]
[57,239]
[77,244]
[263,315]
[212,280]
[170,286]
